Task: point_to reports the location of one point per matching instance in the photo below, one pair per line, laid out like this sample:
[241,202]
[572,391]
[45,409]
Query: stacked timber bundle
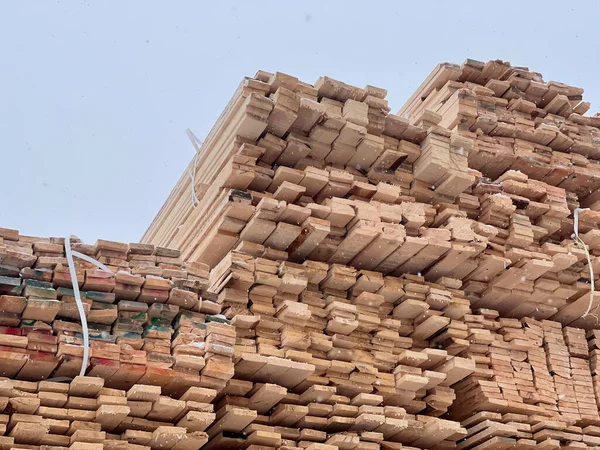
[531,143]
[311,354]
[328,275]
[328,174]
[150,320]
[86,415]
[332,226]
[344,355]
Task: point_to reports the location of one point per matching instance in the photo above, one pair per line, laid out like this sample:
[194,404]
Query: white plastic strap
[585,248]
[576,219]
[84,326]
[195,200]
[197,143]
[91,260]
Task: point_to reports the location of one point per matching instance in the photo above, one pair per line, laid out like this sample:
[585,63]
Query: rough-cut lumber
[341,277]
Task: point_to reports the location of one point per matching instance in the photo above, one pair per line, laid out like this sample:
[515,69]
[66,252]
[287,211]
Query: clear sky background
[95,95]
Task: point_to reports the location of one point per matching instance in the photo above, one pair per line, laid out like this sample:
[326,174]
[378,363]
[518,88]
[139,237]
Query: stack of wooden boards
[345,278]
[320,355]
[476,179]
[86,415]
[147,320]
[359,370]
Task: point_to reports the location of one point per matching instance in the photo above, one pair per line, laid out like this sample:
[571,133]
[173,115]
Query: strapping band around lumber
[197,145]
[84,326]
[585,248]
[195,200]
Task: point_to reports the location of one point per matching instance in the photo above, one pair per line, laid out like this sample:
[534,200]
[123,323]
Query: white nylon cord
[84,326]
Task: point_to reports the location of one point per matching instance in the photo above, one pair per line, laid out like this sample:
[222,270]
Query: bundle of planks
[460,184]
[325,355]
[425,257]
[148,320]
[356,370]
[86,415]
[534,136]
[328,275]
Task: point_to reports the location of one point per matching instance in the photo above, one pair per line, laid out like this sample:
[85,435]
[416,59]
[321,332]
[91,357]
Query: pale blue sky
[95,95]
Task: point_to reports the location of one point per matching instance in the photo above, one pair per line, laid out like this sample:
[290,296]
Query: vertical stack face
[367,244]
[333,276]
